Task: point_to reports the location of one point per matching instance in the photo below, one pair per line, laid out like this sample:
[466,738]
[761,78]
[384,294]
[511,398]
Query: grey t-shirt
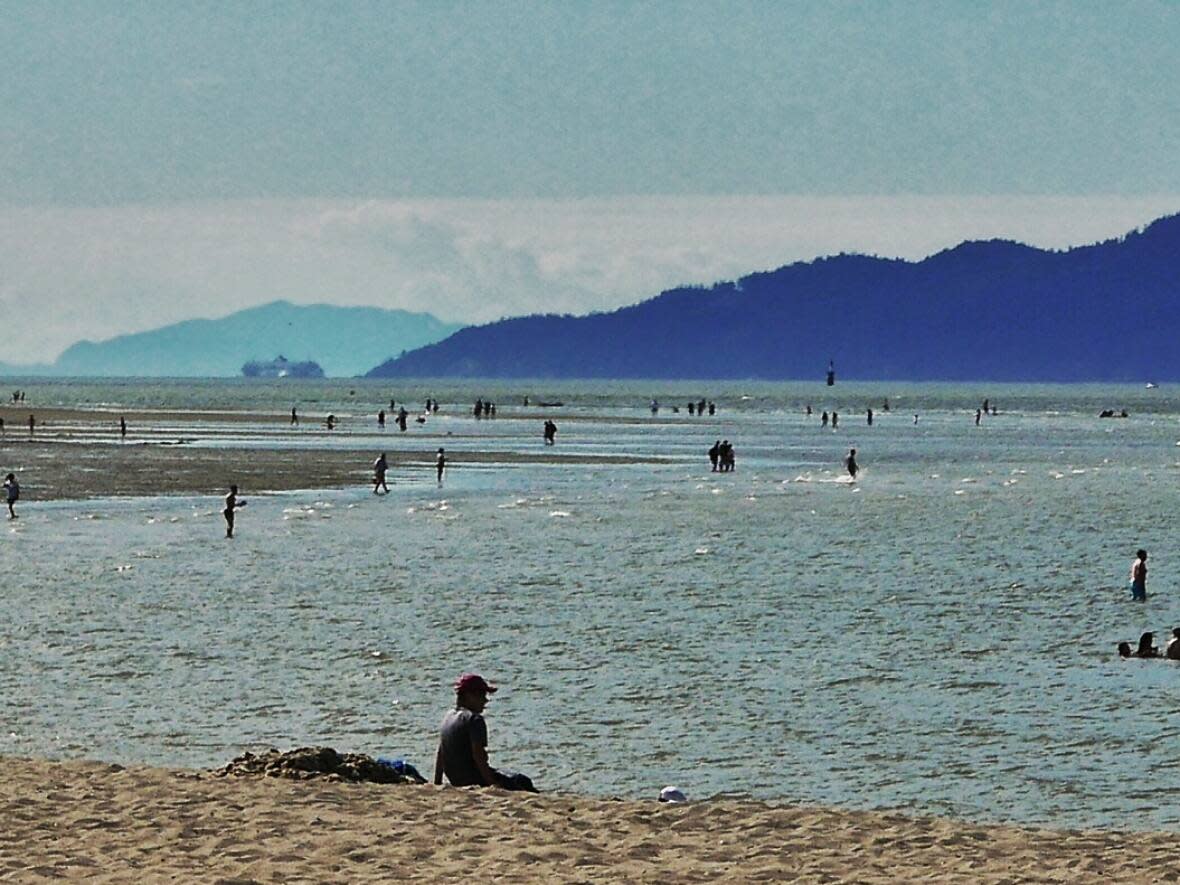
[460,728]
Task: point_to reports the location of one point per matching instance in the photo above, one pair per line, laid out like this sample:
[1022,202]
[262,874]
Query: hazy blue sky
[171,126]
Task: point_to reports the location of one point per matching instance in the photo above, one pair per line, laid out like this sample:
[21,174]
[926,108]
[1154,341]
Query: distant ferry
[1151,385]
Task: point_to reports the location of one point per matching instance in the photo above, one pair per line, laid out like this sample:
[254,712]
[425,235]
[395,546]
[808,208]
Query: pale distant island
[344,341]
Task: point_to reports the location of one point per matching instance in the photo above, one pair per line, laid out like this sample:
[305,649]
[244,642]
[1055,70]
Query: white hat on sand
[672,794]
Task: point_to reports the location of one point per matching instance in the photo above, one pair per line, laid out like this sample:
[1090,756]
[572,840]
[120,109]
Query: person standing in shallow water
[231,504]
[440,464]
[380,466]
[1139,576]
[11,494]
[850,463]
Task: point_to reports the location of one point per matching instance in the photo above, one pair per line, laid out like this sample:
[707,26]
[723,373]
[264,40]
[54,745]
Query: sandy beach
[106,823]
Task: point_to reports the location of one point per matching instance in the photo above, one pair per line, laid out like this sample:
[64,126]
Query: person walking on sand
[463,742]
[32,424]
[294,416]
[231,504]
[1139,576]
[715,454]
[440,465]
[851,465]
[122,427]
[379,468]
[11,494]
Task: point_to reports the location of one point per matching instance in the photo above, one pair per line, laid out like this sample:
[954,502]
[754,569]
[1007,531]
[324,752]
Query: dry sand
[109,824]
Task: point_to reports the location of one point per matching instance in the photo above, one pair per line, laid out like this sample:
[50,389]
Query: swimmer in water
[1147,647]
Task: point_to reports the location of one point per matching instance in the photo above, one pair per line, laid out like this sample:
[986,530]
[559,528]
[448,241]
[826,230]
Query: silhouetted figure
[550,432]
[32,424]
[915,419]
[478,410]
[869,416]
[381,419]
[715,455]
[392,405]
[977,417]
[726,456]
[440,465]
[808,410]
[294,416]
[850,463]
[835,419]
[11,494]
[985,408]
[490,410]
[700,407]
[885,405]
[122,427]
[823,420]
[831,373]
[692,409]
[434,407]
[712,408]
[655,407]
[231,504]
[1147,647]
[330,423]
[1,426]
[401,419]
[380,466]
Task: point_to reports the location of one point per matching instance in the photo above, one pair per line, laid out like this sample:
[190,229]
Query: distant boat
[555,405]
[1151,385]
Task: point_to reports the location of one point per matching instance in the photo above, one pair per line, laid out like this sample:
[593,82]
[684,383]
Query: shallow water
[939,637]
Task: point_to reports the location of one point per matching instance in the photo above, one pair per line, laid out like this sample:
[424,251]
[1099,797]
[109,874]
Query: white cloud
[94,273]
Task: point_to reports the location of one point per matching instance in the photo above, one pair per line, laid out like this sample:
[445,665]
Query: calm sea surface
[939,637]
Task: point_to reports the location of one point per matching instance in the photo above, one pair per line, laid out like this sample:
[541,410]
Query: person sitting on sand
[1147,647]
[463,742]
[11,493]
[1139,576]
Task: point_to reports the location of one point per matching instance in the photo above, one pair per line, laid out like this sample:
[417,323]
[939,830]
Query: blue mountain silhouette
[992,310]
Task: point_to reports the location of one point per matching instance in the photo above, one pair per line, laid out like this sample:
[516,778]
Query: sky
[160,161]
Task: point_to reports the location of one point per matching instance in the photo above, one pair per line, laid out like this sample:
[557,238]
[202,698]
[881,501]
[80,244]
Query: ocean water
[939,637]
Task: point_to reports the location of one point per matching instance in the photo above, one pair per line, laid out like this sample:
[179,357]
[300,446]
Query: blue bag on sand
[402,767]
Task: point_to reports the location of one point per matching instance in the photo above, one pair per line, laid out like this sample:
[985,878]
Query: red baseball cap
[473,682]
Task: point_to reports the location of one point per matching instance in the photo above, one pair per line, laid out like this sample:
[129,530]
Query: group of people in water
[1148,649]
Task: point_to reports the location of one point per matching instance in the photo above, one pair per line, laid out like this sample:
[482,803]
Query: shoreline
[109,823]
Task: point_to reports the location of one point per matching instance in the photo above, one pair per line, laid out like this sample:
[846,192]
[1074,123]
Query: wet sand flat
[104,823]
[77,453]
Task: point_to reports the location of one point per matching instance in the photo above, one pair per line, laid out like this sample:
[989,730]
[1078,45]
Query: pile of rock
[305,763]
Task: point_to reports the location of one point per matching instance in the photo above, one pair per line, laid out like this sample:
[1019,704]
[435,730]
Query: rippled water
[939,637]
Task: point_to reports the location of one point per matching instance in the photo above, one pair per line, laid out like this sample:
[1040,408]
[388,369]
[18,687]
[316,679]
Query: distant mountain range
[345,341]
[994,310]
